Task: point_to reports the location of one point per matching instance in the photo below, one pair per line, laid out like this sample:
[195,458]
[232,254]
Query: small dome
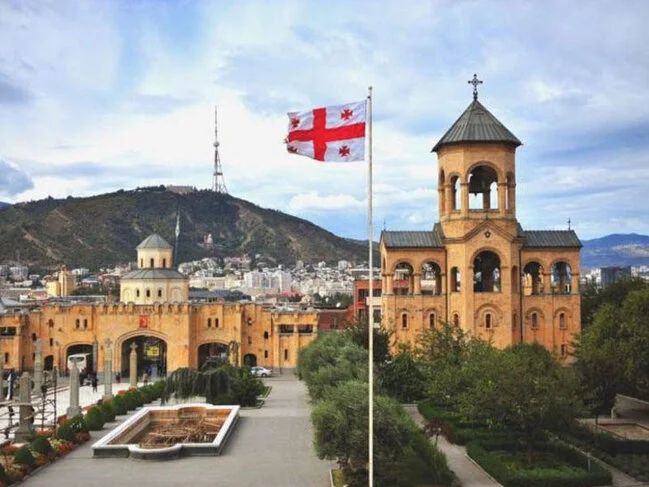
[154,241]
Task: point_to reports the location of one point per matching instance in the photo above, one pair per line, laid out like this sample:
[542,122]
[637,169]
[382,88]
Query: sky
[97,96]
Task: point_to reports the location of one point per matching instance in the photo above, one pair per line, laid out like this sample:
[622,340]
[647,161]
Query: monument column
[108,370]
[74,407]
[38,368]
[26,412]
[132,367]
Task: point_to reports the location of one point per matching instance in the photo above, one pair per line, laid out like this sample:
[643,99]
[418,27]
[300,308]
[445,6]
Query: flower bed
[554,465]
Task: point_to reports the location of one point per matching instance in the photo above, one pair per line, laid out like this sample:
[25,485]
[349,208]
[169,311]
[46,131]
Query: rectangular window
[431,320]
[249,340]
[160,291]
[404,321]
[51,342]
[535,322]
[148,293]
[209,321]
[562,321]
[216,322]
[266,351]
[487,323]
[33,356]
[85,323]
[286,354]
[7,354]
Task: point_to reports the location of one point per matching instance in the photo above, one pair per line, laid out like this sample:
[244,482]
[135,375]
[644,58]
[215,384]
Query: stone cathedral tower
[477,268]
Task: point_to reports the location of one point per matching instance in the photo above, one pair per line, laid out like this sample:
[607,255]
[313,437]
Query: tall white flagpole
[370,308]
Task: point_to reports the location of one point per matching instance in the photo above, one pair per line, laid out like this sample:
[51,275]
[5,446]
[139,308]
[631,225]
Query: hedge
[605,441]
[541,477]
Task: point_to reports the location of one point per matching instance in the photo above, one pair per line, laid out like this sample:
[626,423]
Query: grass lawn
[543,460]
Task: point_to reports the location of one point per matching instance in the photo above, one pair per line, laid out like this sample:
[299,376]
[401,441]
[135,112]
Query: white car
[261,371]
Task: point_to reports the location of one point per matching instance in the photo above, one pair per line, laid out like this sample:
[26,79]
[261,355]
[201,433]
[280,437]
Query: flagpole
[370,236]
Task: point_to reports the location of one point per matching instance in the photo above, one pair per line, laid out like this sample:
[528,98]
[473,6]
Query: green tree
[358,331]
[402,377]
[594,297]
[523,389]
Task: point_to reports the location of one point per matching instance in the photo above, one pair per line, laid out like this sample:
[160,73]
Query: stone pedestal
[74,407]
[26,412]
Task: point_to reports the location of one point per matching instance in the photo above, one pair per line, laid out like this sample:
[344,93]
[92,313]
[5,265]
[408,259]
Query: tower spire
[218,182]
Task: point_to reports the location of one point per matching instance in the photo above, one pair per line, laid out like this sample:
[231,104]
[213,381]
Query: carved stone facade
[478,268]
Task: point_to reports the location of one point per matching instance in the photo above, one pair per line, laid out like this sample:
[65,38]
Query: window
[85,323]
[404,320]
[265,335]
[487,321]
[562,321]
[137,293]
[6,357]
[249,321]
[456,319]
[164,263]
[216,322]
[151,263]
[34,337]
[535,321]
[141,263]
[148,293]
[33,356]
[431,320]
[159,293]
[249,340]
[78,323]
[265,353]
[50,323]
[209,322]
[286,354]
[564,352]
[51,342]
[455,280]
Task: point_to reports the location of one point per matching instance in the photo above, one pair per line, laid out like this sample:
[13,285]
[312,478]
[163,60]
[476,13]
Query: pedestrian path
[467,471]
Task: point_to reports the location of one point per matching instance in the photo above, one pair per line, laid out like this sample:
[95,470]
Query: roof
[551,238]
[154,274]
[477,124]
[413,239]
[154,241]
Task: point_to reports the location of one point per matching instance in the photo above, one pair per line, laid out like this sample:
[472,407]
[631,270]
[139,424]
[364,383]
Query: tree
[593,297]
[523,389]
[402,377]
[358,331]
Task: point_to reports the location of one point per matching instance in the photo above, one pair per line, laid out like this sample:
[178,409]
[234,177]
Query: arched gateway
[151,355]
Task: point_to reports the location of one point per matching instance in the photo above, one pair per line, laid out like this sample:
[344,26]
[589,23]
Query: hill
[615,250]
[2,203]
[105,229]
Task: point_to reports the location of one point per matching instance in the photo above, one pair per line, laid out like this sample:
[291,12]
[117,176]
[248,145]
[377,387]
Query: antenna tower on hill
[218,182]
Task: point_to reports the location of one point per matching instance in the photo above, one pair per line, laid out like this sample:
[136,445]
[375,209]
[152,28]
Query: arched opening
[562,321]
[515,279]
[483,188]
[432,320]
[431,279]
[151,263]
[486,272]
[561,278]
[250,359]
[82,355]
[455,280]
[487,321]
[534,321]
[455,193]
[48,362]
[151,356]
[403,279]
[456,319]
[212,354]
[533,279]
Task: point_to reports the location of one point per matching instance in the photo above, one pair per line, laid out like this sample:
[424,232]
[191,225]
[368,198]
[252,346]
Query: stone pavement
[467,471]
[271,446]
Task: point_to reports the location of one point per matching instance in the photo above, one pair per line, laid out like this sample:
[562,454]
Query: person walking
[94,383]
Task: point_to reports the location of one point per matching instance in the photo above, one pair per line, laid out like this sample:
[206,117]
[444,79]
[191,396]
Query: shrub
[108,410]
[138,398]
[40,444]
[78,424]
[24,456]
[120,405]
[4,478]
[94,419]
[245,389]
[65,432]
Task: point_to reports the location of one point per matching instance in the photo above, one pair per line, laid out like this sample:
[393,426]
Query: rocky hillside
[616,250]
[105,229]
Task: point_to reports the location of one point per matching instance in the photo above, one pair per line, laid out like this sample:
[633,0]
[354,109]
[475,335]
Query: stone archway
[212,354]
[48,362]
[151,355]
[250,359]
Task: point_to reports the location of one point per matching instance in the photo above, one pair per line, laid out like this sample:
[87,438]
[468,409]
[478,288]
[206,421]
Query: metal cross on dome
[475,82]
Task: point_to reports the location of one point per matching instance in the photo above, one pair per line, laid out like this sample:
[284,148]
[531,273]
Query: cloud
[13,180]
[11,94]
[312,201]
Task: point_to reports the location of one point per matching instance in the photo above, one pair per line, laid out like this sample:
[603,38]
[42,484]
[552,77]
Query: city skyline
[97,97]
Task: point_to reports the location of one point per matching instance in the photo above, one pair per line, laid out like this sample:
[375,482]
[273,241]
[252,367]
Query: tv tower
[218,182]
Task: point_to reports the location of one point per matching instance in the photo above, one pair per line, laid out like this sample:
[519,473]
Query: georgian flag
[335,134]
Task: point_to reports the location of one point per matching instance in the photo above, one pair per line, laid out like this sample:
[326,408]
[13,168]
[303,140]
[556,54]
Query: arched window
[404,320]
[455,280]
[159,293]
[562,321]
[535,321]
[216,322]
[486,272]
[533,279]
[456,203]
[209,322]
[431,320]
[137,293]
[164,263]
[265,335]
[431,279]
[78,323]
[487,321]
[483,188]
[561,278]
[265,353]
[403,280]
[249,340]
[456,319]
[152,264]
[148,293]
[85,323]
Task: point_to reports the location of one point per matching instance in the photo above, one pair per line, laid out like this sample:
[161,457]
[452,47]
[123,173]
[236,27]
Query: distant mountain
[2,203]
[615,250]
[105,229]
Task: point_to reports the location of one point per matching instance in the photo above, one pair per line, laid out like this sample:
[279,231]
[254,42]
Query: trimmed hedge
[108,410]
[541,477]
[120,405]
[605,441]
[24,456]
[40,444]
[94,419]
[65,432]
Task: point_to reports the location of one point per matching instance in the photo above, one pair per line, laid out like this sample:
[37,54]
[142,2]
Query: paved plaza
[271,446]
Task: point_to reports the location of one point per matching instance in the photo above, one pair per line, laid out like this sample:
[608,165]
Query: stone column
[465,199]
[74,407]
[2,381]
[25,426]
[417,279]
[132,367]
[108,370]
[95,362]
[38,368]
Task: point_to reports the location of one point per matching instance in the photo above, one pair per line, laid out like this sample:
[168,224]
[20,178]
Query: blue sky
[101,95]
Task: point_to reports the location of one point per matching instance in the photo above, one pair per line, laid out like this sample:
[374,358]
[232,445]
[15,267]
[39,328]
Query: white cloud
[306,202]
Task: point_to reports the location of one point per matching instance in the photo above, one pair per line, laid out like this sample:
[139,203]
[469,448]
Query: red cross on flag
[335,134]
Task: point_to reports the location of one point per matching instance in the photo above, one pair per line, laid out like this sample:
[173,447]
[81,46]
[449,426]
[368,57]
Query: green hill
[104,230]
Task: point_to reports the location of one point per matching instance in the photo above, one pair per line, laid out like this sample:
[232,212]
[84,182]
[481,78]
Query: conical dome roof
[477,124]
[154,241]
